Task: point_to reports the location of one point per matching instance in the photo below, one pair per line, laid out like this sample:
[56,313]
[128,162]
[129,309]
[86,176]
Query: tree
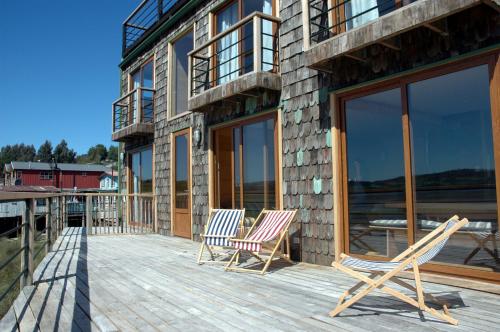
[113,153]
[17,152]
[97,154]
[63,154]
[44,153]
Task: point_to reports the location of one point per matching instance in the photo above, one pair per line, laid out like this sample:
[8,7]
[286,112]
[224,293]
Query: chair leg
[235,255]
[200,254]
[418,286]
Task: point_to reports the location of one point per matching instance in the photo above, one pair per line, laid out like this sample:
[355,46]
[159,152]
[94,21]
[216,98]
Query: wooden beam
[390,44]
[437,27]
[355,57]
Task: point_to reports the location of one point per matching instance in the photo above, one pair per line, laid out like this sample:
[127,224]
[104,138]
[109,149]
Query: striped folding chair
[382,271]
[222,225]
[269,226]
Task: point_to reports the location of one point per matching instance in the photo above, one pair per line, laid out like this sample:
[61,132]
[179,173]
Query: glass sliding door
[376,174]
[246,166]
[416,154]
[453,162]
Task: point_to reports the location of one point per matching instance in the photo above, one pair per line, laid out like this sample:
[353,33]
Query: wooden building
[377,120]
[61,176]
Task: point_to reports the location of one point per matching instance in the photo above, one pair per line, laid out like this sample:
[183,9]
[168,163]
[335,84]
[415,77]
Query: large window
[417,153]
[230,64]
[179,80]
[143,77]
[246,166]
[141,176]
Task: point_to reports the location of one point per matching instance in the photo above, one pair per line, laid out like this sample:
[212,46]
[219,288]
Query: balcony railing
[251,45]
[135,107]
[143,18]
[328,18]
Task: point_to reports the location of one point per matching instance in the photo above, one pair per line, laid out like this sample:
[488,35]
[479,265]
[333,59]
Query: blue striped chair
[222,225]
[419,253]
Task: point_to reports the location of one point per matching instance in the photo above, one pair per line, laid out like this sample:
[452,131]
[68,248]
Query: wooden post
[257,44]
[139,106]
[88,206]
[28,240]
[190,76]
[305,25]
[64,216]
[48,225]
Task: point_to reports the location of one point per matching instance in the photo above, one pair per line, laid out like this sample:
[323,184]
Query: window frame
[170,69]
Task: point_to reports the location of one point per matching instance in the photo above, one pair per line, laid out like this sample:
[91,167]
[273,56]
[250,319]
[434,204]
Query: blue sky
[59,66]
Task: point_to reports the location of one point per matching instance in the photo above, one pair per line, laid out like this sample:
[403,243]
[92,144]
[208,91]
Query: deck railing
[328,18]
[137,106]
[26,238]
[250,45]
[143,18]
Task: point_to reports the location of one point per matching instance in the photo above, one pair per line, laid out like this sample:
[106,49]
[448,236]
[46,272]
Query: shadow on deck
[151,282]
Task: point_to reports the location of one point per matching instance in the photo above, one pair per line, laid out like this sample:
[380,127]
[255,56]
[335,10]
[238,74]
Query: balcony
[144,19]
[335,29]
[234,64]
[133,115]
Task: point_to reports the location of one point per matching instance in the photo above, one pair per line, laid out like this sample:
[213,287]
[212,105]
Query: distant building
[61,176]
[109,181]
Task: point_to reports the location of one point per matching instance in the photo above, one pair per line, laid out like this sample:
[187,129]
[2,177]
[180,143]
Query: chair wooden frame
[406,258]
[284,236]
[211,249]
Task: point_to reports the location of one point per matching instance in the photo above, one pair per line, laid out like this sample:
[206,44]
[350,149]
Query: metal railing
[142,19]
[137,106]
[328,18]
[250,45]
[27,238]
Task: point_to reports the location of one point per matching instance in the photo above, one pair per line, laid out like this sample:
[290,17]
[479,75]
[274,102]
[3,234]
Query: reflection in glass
[376,182]
[454,170]
[236,170]
[181,172]
[227,47]
[142,172]
[258,167]
[147,171]
[181,48]
[136,172]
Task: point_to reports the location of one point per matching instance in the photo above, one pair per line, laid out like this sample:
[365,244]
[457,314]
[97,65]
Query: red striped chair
[270,226]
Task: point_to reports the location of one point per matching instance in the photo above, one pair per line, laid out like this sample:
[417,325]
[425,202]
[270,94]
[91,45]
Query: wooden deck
[151,282]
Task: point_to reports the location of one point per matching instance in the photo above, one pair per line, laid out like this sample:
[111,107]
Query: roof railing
[142,19]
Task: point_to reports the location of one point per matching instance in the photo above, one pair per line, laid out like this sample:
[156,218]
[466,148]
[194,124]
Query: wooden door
[181,184]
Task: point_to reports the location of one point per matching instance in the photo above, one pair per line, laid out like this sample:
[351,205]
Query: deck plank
[152,283]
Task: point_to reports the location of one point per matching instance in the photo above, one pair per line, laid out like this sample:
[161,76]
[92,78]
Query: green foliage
[113,153]
[19,152]
[44,153]
[63,154]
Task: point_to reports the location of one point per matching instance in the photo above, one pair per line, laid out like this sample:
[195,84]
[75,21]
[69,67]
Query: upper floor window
[234,52]
[142,78]
[179,73]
